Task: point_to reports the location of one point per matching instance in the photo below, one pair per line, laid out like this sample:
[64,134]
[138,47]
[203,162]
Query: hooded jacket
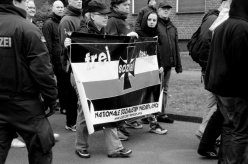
[69,23]
[117,24]
[227,65]
[168,50]
[25,68]
[142,15]
[144,30]
[51,33]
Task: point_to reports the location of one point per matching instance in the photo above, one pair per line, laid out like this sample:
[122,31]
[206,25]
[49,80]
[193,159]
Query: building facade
[186,15]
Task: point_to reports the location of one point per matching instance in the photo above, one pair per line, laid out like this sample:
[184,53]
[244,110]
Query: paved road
[177,147]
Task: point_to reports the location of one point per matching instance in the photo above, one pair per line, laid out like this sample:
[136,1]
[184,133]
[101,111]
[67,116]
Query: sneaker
[121,136]
[17,143]
[124,130]
[158,129]
[123,153]
[56,136]
[165,119]
[83,153]
[135,125]
[71,128]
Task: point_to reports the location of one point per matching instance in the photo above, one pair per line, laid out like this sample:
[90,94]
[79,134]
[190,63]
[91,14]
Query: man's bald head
[58,8]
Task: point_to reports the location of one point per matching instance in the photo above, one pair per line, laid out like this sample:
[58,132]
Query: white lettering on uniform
[5,42]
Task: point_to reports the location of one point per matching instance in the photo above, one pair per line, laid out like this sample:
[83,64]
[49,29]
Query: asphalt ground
[178,146]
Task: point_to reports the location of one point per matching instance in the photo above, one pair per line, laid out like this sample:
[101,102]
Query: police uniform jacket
[25,68]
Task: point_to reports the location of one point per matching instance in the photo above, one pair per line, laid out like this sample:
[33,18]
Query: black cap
[98,6]
[164,4]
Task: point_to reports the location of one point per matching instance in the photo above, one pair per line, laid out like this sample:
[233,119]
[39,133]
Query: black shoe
[83,153]
[144,121]
[165,119]
[123,153]
[124,130]
[207,151]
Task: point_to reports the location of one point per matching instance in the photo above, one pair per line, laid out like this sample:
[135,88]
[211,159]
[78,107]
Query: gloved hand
[178,69]
[50,108]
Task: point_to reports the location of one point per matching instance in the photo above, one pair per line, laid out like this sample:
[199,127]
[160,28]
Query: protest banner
[117,77]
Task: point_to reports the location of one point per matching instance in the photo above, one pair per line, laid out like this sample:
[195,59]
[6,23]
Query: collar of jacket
[55,17]
[239,9]
[72,11]
[93,29]
[117,15]
[152,8]
[165,21]
[11,9]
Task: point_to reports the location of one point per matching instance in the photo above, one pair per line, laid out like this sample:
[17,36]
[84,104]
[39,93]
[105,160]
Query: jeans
[235,129]
[165,85]
[110,134]
[211,108]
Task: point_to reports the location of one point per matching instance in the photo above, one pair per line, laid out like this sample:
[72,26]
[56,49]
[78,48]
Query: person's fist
[133,34]
[67,42]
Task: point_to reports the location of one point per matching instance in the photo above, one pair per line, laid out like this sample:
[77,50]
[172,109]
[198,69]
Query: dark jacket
[227,65]
[117,24]
[142,15]
[90,28]
[69,23]
[144,30]
[206,36]
[168,50]
[51,34]
[25,68]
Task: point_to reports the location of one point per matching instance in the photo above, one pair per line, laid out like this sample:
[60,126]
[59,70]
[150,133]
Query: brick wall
[186,24]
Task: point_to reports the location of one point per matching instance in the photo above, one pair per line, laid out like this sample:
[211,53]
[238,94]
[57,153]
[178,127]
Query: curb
[184,118]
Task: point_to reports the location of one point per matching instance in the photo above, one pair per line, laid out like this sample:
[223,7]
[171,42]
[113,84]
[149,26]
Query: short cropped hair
[114,3]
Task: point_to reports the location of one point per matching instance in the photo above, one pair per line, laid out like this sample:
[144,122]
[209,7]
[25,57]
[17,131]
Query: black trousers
[234,134]
[69,100]
[27,118]
[212,131]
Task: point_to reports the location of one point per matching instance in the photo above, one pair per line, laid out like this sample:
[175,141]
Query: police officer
[25,75]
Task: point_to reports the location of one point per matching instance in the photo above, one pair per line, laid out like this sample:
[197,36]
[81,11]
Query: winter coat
[69,23]
[142,15]
[90,28]
[168,50]
[206,36]
[227,65]
[117,24]
[25,68]
[51,33]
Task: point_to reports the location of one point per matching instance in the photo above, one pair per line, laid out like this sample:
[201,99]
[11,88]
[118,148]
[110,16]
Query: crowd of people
[40,79]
